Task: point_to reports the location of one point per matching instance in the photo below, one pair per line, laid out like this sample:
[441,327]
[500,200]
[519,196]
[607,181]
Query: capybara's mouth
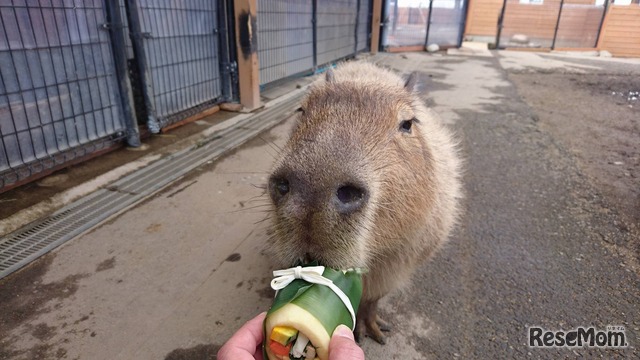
[322,260]
[309,258]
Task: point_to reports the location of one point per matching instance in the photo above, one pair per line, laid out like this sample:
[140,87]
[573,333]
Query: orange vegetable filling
[279,349]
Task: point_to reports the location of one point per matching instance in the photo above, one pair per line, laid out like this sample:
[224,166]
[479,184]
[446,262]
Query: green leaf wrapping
[320,301]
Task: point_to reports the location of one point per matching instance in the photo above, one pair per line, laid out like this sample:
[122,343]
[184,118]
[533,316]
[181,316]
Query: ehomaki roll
[304,315]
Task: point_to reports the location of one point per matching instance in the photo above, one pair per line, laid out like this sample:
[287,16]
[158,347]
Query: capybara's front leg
[369,323]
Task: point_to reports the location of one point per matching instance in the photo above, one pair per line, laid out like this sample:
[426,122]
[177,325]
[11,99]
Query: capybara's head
[353,181]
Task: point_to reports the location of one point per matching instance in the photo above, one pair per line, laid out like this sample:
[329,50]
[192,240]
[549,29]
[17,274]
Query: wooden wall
[579,25]
[621,31]
[482,18]
[536,21]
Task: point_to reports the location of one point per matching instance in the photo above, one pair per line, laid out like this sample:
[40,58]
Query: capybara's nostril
[278,188]
[350,198]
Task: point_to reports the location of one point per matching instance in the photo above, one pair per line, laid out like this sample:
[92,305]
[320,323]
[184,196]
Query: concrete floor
[175,276]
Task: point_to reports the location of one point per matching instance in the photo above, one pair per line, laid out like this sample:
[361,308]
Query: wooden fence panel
[621,31]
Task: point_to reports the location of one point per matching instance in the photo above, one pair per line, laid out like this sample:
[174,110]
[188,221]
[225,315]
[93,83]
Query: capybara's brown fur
[369,178]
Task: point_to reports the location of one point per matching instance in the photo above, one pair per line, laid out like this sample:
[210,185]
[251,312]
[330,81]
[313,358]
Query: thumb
[343,347]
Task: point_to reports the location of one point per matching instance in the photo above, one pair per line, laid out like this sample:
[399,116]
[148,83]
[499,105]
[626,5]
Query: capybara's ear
[412,82]
[330,77]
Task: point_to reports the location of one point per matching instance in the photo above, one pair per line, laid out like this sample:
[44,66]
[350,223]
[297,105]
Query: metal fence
[285,38]
[417,24]
[76,76]
[60,95]
[364,25]
[298,36]
[177,49]
[336,24]
[447,22]
[125,28]
[550,24]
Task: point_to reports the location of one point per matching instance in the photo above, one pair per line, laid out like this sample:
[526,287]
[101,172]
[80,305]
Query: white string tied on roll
[311,274]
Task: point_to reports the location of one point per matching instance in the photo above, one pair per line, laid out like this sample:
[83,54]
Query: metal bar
[59,82]
[555,33]
[184,97]
[50,47]
[13,61]
[133,15]
[61,6]
[168,77]
[44,82]
[231,34]
[394,25]
[314,21]
[383,28]
[75,72]
[95,69]
[604,14]
[426,37]
[355,46]
[2,135]
[86,70]
[369,23]
[500,23]
[463,23]
[176,79]
[201,65]
[124,85]
[102,80]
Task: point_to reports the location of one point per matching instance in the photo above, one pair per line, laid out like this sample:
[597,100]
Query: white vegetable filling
[300,345]
[298,318]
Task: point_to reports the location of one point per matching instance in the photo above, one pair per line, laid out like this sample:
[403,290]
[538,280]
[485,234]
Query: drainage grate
[27,244]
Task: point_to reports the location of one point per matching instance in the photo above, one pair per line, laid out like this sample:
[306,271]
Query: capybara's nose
[349,198]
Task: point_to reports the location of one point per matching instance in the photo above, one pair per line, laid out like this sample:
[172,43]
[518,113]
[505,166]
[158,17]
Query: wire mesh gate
[414,24]
[298,36]
[550,24]
[61,93]
[182,65]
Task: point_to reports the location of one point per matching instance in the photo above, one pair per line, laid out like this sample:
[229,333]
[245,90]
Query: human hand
[246,343]
[343,346]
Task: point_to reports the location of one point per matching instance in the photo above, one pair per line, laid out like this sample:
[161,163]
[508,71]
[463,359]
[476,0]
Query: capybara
[369,178]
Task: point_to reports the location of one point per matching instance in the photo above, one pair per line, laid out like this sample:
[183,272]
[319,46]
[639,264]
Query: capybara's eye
[282,186]
[405,126]
[278,188]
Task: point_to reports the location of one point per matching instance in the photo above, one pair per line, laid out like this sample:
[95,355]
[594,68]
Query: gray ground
[543,242]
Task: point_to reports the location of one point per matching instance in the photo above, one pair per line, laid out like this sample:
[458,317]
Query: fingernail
[343,331]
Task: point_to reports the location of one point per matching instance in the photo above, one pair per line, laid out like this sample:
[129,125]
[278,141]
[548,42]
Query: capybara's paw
[359,332]
[383,325]
[374,331]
